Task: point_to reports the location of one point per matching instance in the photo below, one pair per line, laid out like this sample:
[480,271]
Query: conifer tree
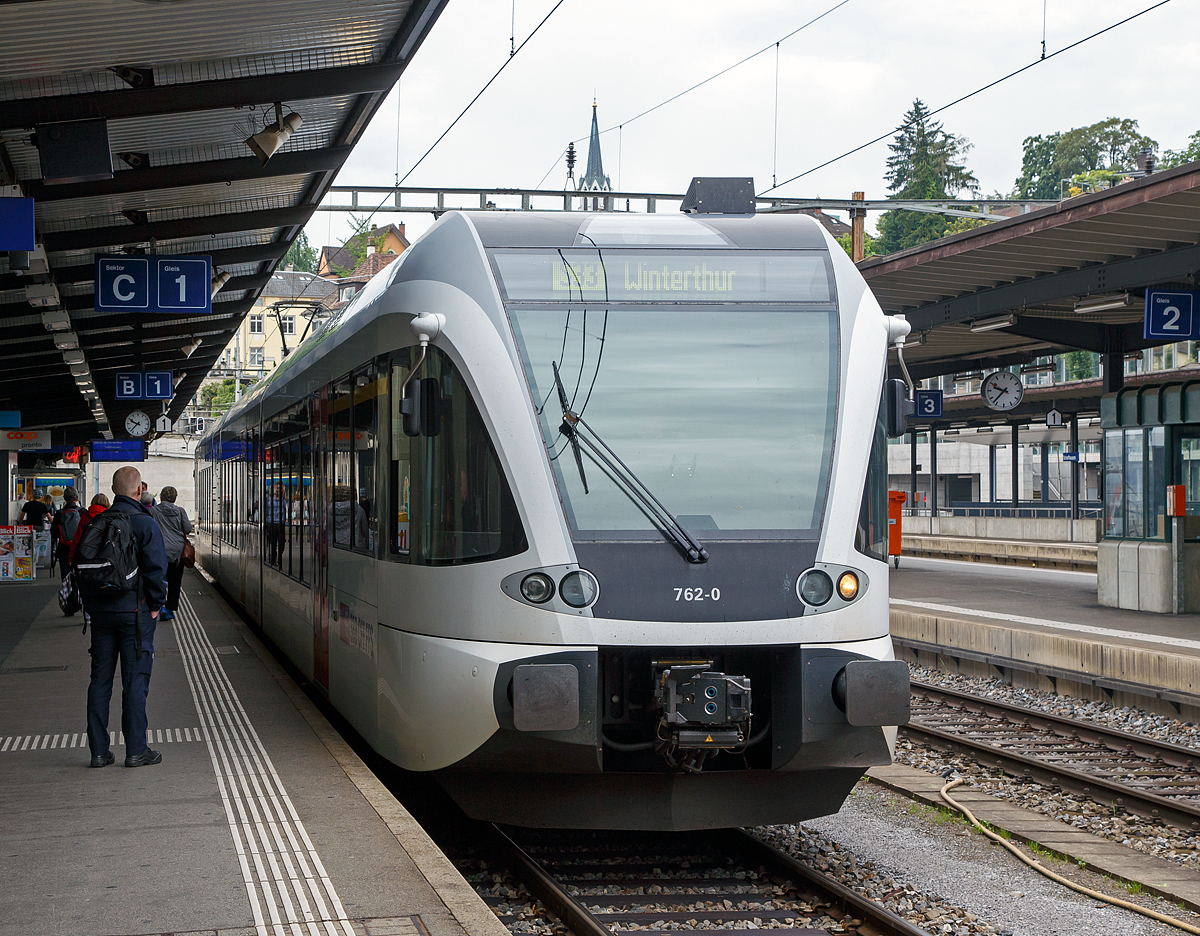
[926,162]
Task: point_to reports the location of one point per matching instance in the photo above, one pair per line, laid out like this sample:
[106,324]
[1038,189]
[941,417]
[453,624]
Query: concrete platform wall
[1155,668]
[1136,575]
[1029,529]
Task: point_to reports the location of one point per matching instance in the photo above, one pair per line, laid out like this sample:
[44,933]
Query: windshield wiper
[641,495]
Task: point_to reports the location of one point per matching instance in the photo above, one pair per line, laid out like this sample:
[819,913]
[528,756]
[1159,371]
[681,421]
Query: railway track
[1119,770]
[601,883]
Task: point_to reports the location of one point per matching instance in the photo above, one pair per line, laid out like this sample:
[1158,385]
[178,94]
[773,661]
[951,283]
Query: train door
[319,531]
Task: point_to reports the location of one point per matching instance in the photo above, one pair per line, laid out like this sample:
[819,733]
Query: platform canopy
[1049,270]
[177,89]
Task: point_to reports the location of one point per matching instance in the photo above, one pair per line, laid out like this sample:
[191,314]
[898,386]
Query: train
[584,514]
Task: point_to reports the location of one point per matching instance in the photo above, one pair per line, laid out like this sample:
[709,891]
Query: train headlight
[578,589]
[537,587]
[847,586]
[816,587]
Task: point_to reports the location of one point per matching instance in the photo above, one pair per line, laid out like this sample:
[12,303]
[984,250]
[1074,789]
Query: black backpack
[106,559]
[68,524]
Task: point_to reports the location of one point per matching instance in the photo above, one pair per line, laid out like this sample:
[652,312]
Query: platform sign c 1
[153,283]
[928,404]
[1172,316]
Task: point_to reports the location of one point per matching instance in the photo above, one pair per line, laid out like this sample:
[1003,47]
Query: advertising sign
[24,440]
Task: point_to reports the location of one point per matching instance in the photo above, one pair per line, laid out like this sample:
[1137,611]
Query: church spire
[594,179]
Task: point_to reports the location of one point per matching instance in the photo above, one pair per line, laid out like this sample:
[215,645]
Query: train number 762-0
[697,594]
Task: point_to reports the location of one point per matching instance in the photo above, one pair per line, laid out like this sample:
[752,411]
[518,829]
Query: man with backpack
[121,570]
[66,528]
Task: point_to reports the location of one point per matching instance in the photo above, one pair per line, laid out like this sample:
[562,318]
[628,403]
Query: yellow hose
[1096,895]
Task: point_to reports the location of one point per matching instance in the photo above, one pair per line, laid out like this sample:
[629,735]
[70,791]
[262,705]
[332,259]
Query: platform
[259,820]
[1032,553]
[1044,628]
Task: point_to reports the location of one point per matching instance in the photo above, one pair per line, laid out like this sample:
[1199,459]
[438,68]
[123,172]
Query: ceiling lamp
[266,142]
[56,320]
[991,324]
[66,341]
[1105,303]
[219,281]
[1046,368]
[190,348]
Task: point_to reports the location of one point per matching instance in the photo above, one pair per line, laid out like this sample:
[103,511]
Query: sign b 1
[1172,316]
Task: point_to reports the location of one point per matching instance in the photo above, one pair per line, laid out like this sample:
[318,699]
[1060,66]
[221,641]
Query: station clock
[1002,390]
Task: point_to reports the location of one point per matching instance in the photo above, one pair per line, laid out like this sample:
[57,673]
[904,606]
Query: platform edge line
[451,888]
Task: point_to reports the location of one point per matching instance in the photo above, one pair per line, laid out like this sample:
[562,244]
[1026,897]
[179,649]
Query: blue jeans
[112,637]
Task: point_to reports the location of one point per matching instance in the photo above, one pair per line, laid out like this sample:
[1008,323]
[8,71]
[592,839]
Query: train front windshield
[711,377]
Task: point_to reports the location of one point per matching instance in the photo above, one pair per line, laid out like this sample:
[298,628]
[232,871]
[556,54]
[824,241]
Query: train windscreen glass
[725,414]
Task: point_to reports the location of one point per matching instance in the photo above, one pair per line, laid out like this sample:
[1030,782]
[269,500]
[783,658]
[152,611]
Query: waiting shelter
[1151,440]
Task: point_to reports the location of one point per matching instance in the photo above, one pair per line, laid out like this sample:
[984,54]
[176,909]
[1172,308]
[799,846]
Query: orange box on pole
[896,501]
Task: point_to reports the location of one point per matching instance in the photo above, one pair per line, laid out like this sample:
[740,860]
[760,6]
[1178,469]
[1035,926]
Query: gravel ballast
[1148,836]
[938,867]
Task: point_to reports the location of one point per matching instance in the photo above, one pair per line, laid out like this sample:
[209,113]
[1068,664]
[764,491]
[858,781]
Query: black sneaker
[145,759]
[102,760]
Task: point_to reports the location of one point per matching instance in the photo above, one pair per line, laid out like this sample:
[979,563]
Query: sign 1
[153,284]
[1171,315]
[928,404]
[157,385]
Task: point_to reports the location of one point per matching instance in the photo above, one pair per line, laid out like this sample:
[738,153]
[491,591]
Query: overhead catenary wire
[971,94]
[620,126]
[364,224]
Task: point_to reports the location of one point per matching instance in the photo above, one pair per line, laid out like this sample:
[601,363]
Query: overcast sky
[842,81]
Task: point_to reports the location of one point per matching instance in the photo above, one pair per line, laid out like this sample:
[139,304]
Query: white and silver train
[585,513]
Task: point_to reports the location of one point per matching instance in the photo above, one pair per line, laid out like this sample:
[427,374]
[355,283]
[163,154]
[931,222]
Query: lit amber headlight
[847,586]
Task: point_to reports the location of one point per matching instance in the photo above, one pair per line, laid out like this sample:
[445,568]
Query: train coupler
[703,711]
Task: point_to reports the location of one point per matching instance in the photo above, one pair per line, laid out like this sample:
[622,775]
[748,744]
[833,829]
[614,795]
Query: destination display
[664,276]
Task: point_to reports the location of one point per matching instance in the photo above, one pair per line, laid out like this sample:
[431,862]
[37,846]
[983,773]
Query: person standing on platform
[123,625]
[65,529]
[175,525]
[33,513]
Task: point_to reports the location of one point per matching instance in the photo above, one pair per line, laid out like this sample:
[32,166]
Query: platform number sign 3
[1171,315]
[928,404]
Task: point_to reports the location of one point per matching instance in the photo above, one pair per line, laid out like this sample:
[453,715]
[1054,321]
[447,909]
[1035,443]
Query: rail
[725,878]
[1156,780]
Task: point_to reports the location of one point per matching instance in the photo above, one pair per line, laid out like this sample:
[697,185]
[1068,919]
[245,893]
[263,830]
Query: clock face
[137,423]
[1002,390]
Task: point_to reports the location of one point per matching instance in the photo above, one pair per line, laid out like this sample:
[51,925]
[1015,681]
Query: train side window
[871,537]
[366,389]
[304,472]
[400,473]
[273,509]
[343,463]
[462,504]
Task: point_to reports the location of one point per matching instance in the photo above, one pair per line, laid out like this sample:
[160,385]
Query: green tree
[1190,153]
[869,245]
[1039,176]
[926,162]
[1079,365]
[301,256]
[218,397]
[1110,146]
